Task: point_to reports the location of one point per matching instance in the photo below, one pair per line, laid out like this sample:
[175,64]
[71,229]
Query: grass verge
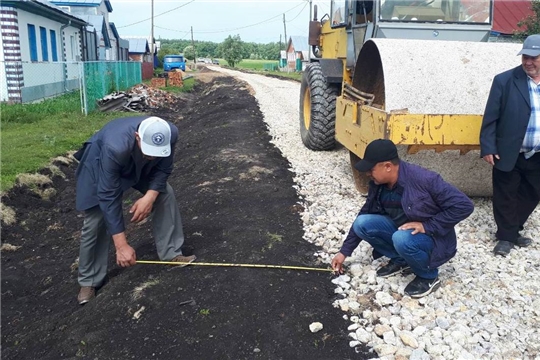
[32,134]
[258,66]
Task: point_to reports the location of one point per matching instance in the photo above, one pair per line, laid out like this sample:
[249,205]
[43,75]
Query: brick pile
[175,78]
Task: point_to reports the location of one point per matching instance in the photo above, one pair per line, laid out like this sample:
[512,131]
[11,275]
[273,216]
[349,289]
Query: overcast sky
[213,20]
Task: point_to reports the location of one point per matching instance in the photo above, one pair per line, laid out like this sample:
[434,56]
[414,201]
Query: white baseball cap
[155,136]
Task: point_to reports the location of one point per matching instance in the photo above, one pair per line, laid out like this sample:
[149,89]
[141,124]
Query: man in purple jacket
[135,152]
[409,216]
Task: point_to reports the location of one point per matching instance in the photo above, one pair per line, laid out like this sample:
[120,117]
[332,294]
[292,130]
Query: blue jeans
[399,245]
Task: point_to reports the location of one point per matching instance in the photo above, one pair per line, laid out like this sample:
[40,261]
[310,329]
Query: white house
[38,43]
[297,49]
[96,12]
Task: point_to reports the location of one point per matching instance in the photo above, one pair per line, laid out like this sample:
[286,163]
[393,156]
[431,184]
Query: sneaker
[503,248]
[392,269]
[184,260]
[86,294]
[420,287]
[523,241]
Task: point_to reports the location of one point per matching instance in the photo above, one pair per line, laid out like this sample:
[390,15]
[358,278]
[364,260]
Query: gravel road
[487,307]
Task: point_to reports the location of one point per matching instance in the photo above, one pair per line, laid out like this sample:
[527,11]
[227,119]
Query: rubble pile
[158,82]
[139,98]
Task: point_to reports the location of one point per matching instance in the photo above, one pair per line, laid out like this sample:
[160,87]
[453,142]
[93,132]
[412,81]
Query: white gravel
[487,307]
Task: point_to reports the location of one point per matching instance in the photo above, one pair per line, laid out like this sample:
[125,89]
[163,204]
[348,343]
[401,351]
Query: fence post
[82,87]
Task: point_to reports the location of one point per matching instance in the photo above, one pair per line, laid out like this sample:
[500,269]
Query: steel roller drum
[437,77]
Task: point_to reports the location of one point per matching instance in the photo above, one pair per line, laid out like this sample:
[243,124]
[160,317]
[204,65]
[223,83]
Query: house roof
[123,43]
[114,31]
[507,13]
[88,3]
[138,45]
[98,22]
[300,43]
[46,9]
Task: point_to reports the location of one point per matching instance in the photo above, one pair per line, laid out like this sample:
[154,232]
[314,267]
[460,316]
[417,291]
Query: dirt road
[238,204]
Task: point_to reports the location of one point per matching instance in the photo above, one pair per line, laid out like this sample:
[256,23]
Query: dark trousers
[516,194]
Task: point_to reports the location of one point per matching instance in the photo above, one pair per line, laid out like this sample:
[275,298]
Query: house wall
[136,57]
[102,9]
[82,10]
[112,53]
[10,56]
[72,47]
[45,78]
[291,57]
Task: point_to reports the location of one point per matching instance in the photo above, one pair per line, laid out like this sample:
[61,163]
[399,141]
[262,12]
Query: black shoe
[420,287]
[523,241]
[503,248]
[392,269]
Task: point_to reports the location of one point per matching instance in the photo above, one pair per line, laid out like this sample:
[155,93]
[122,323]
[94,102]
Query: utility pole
[152,32]
[285,27]
[193,46]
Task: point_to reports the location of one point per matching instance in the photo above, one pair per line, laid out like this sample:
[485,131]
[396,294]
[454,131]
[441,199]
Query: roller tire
[318,130]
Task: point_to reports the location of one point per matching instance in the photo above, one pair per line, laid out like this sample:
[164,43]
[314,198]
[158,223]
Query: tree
[232,49]
[270,51]
[531,24]
[189,52]
[165,50]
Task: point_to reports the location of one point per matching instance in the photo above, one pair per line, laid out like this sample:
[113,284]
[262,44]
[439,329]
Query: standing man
[128,152]
[510,142]
[409,216]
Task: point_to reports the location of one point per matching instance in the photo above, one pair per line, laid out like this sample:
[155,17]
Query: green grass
[188,86]
[258,66]
[33,134]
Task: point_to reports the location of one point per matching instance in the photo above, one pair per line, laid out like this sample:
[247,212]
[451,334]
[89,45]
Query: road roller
[415,72]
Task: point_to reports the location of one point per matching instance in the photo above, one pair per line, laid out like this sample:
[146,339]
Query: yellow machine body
[422,81]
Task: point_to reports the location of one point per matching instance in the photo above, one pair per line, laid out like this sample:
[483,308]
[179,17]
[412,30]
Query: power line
[163,13]
[242,27]
[297,15]
[164,28]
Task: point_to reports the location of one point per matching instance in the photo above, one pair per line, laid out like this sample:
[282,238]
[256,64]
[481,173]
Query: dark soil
[239,206]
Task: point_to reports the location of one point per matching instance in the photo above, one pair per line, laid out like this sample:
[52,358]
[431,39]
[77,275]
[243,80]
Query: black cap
[377,151]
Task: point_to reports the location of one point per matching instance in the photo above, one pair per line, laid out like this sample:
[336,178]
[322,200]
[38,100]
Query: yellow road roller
[415,72]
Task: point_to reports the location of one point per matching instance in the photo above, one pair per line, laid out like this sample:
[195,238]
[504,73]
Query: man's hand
[125,256]
[337,263]
[490,159]
[417,227]
[142,207]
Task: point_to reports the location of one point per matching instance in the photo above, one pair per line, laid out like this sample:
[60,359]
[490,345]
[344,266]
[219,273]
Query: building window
[44,44]
[54,50]
[32,42]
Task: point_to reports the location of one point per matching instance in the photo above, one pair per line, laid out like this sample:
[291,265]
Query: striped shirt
[531,142]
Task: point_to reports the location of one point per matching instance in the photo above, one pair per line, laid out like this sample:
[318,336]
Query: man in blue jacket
[409,216]
[510,142]
[126,153]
